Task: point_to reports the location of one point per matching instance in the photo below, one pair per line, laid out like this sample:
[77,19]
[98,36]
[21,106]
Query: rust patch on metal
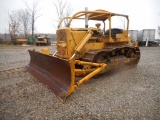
[53,72]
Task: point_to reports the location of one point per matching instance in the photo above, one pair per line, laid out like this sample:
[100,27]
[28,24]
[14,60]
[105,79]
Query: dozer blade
[54,72]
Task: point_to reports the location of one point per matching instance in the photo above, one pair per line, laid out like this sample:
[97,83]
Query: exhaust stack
[86,18]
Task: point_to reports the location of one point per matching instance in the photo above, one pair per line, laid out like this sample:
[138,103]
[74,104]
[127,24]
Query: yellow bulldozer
[19,41]
[43,41]
[83,53]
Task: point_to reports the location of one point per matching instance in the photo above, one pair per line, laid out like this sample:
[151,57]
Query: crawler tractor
[83,52]
[43,41]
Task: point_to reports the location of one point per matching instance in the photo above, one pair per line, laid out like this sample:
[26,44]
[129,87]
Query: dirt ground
[128,94]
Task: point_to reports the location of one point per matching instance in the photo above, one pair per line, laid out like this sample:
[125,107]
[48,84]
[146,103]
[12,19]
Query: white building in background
[5,37]
[146,37]
[133,34]
[145,34]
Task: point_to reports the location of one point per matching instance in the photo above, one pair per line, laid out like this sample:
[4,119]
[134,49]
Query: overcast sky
[143,14]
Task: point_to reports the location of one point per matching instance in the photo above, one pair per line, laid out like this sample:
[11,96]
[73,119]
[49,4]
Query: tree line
[22,21]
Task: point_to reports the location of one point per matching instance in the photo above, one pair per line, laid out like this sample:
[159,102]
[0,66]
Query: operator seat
[114,31]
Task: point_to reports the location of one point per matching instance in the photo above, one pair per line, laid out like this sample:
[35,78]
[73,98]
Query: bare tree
[63,9]
[34,12]
[13,24]
[25,20]
[123,22]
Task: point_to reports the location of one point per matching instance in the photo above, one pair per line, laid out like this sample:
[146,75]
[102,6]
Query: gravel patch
[128,94]
[17,56]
